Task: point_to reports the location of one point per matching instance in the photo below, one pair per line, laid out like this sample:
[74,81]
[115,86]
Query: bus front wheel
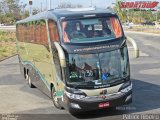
[54,98]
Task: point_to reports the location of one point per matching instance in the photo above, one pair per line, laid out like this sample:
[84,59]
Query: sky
[85,3]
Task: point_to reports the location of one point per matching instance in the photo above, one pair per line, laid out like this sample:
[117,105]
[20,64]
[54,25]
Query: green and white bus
[78,57]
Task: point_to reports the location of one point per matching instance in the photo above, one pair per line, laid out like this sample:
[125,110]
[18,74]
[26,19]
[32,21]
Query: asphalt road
[19,101]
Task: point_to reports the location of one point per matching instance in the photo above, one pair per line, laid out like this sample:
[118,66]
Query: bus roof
[55,14]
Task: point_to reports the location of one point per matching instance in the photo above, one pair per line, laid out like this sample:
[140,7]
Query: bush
[7,44]
[7,36]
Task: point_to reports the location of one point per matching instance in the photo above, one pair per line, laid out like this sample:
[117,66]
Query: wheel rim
[26,76]
[29,81]
[55,101]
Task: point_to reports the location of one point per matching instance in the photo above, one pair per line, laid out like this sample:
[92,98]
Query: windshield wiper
[85,83]
[117,81]
[112,82]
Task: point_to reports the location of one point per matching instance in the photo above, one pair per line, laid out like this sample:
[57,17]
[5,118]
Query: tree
[35,11]
[10,11]
[122,13]
[69,5]
[135,16]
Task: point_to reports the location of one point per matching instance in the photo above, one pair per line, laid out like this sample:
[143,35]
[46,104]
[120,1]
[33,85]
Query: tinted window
[53,30]
[100,68]
[41,32]
[88,30]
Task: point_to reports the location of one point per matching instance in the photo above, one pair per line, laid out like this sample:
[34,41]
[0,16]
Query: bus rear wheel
[30,81]
[55,99]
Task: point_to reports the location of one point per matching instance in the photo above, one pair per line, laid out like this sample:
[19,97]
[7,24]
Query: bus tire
[30,81]
[25,74]
[54,99]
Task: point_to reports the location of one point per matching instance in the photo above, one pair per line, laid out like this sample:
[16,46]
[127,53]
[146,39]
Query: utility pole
[30,3]
[49,5]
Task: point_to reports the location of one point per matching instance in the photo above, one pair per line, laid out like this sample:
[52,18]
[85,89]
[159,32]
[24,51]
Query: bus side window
[24,32]
[116,27]
[32,32]
[18,32]
[37,32]
[43,31]
[53,31]
[28,32]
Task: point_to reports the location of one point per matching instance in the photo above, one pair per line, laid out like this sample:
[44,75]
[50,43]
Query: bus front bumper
[95,103]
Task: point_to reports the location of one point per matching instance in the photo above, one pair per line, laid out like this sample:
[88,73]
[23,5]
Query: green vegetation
[136,17]
[7,36]
[7,44]
[13,10]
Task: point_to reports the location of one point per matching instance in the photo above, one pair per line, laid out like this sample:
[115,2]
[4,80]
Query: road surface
[8,28]
[26,103]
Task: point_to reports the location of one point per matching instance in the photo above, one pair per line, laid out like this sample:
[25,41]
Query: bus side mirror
[60,54]
[63,63]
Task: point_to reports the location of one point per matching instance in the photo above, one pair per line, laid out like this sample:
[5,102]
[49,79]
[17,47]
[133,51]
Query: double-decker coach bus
[78,57]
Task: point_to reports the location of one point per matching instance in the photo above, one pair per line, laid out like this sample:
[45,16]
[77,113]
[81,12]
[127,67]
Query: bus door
[57,71]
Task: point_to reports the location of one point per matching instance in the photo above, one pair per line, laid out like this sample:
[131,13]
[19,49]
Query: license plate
[102,105]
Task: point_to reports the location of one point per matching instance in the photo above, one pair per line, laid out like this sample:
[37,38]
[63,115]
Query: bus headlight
[74,96]
[74,93]
[127,89]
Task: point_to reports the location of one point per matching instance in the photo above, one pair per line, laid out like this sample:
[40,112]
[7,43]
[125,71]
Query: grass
[7,44]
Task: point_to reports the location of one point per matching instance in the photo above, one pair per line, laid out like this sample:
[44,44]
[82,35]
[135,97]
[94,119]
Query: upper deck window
[91,30]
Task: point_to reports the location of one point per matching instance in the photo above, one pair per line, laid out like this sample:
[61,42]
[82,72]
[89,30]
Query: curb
[7,57]
[145,33]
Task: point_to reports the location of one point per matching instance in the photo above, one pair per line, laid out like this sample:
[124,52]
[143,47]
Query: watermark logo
[9,117]
[141,117]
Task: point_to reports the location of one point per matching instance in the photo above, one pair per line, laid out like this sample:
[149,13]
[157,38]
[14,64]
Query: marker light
[74,105]
[127,89]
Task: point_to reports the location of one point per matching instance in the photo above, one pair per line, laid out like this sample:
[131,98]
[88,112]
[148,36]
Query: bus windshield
[100,68]
[91,29]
